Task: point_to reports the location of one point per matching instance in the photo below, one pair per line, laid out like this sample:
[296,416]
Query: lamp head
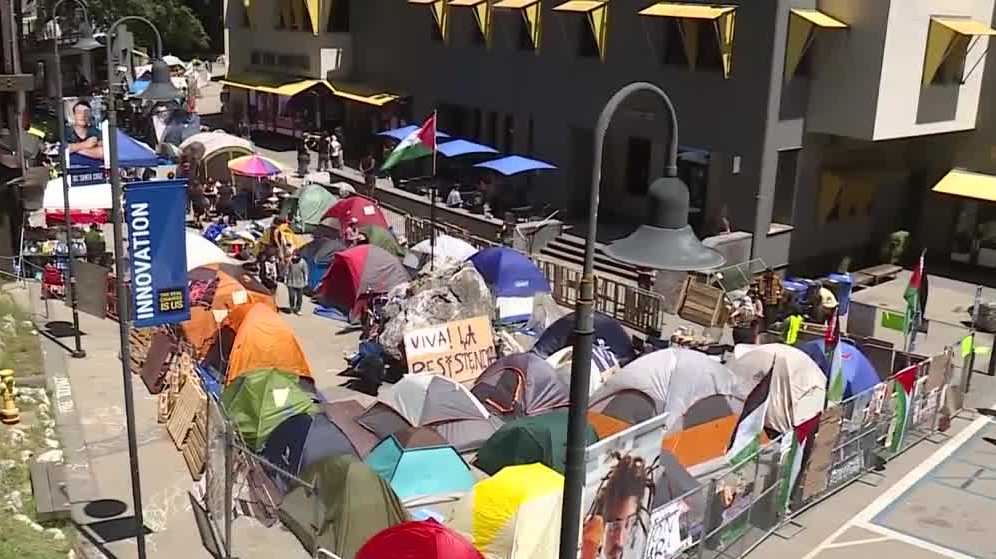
[666,241]
[161,86]
[86,40]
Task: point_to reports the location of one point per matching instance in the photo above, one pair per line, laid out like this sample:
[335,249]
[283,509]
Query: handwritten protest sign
[460,350]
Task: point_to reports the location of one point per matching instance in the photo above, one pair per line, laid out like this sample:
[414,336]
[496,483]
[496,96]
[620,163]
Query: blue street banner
[155,213]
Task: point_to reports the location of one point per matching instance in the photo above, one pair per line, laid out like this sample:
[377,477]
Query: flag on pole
[418,143]
[902,396]
[750,428]
[912,296]
[793,450]
[831,343]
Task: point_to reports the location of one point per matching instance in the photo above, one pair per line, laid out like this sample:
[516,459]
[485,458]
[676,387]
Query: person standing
[303,159]
[369,169]
[335,152]
[297,280]
[324,149]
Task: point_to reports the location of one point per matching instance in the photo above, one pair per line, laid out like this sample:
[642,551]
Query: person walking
[297,280]
[324,147]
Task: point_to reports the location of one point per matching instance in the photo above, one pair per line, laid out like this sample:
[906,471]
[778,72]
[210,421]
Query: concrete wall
[869,83]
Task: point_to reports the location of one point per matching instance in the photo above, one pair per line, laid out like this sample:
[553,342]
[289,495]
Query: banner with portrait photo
[638,501]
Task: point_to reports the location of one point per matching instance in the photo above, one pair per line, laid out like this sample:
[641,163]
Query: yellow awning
[802,25]
[597,12]
[965,26]
[287,87]
[689,11]
[531,12]
[580,6]
[466,3]
[968,184]
[819,19]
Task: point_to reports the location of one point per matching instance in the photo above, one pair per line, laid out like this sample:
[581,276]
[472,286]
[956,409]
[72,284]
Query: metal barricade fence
[216,475]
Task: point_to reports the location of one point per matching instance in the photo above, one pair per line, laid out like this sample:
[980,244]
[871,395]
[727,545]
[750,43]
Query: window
[672,51]
[783,206]
[638,165]
[254,58]
[269,59]
[339,17]
[435,33]
[525,41]
[492,128]
[477,124]
[245,15]
[587,47]
[509,133]
[281,22]
[707,53]
[953,67]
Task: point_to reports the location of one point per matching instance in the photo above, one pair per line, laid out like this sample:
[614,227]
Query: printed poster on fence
[460,350]
[638,501]
[155,212]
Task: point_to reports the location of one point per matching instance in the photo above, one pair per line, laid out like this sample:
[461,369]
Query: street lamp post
[85,42]
[124,310]
[665,242]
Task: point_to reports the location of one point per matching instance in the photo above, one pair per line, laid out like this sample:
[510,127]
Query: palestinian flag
[750,428]
[912,296]
[902,396]
[793,450]
[831,342]
[419,143]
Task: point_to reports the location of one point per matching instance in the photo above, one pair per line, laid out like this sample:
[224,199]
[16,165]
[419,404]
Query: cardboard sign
[460,350]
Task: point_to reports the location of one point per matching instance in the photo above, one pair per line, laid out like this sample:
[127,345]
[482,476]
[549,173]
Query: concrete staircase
[569,249]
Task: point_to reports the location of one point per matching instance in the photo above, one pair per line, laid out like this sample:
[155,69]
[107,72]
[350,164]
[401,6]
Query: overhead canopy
[689,16]
[463,147]
[403,132]
[289,86]
[957,182]
[597,12]
[89,197]
[514,164]
[802,27]
[354,504]
[531,12]
[950,37]
[255,165]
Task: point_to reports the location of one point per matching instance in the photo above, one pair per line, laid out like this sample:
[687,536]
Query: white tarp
[201,252]
[90,197]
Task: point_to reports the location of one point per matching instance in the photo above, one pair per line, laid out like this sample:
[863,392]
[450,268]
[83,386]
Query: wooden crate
[702,304]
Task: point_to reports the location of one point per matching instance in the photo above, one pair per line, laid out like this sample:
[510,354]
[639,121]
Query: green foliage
[182,31]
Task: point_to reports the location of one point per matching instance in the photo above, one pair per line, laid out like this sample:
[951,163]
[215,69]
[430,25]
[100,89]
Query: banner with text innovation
[155,213]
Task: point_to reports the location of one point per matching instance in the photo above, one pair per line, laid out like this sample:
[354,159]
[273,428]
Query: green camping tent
[258,401]
[353,504]
[382,238]
[312,203]
[539,438]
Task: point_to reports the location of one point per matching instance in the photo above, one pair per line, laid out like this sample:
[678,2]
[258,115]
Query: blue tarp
[331,313]
[455,148]
[859,373]
[514,164]
[401,133]
[131,153]
[420,472]
[510,273]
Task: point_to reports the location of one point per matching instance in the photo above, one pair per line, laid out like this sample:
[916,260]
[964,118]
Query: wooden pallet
[191,400]
[702,304]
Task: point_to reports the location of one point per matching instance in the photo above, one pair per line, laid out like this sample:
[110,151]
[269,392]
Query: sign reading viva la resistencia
[156,212]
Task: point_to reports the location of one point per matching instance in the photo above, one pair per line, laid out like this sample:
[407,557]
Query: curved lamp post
[666,242]
[123,307]
[85,42]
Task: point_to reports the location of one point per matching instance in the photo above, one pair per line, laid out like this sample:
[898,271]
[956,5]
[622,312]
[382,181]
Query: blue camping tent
[560,334]
[420,463]
[302,440]
[131,153]
[510,273]
[859,373]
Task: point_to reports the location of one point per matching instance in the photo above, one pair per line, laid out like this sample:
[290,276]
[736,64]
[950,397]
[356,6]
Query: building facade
[818,125]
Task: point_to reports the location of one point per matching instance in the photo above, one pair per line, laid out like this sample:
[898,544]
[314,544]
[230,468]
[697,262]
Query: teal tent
[419,463]
[259,401]
[312,202]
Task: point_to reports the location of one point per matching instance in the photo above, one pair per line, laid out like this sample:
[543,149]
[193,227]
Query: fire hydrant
[9,414]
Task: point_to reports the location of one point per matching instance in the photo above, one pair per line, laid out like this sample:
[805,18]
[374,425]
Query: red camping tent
[358,272]
[426,539]
[363,210]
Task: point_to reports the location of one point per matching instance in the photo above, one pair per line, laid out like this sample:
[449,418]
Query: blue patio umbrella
[456,148]
[859,373]
[509,273]
[403,132]
[515,164]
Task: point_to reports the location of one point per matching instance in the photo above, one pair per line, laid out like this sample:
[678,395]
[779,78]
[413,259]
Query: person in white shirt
[336,152]
[453,199]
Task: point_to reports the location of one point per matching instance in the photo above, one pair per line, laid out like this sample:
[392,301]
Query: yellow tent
[513,514]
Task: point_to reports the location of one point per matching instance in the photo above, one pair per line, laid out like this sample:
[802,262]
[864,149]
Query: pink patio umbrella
[255,165]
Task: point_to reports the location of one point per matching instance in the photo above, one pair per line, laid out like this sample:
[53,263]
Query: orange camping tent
[263,341]
[232,300]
